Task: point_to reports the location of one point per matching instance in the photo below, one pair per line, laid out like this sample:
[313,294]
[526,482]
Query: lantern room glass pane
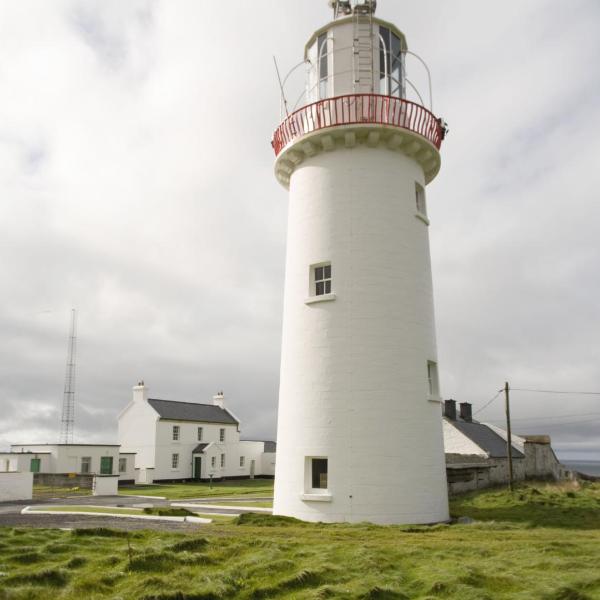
[390,63]
[323,60]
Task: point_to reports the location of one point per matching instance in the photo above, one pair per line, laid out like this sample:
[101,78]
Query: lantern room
[355,53]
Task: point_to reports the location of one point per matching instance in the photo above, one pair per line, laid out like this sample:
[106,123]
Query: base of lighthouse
[359,427]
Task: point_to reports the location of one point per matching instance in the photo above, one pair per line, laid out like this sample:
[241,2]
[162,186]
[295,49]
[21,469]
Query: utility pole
[508,437]
[68,409]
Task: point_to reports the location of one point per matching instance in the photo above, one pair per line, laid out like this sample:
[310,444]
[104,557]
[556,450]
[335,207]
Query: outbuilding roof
[191,411]
[487,439]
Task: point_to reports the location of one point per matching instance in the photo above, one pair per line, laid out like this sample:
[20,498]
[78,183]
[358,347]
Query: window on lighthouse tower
[390,63]
[322,280]
[420,199]
[323,65]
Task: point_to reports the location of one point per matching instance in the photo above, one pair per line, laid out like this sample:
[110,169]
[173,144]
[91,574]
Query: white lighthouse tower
[359,430]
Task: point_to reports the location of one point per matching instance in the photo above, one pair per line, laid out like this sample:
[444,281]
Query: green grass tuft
[265,520]
[183,596]
[170,512]
[191,545]
[102,532]
[47,577]
[76,562]
[379,593]
[27,558]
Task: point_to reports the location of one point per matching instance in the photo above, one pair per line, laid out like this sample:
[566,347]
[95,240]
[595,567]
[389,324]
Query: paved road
[84,521]
[10,513]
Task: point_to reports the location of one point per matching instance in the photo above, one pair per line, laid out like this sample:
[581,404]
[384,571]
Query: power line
[553,417]
[489,402]
[576,422]
[555,392]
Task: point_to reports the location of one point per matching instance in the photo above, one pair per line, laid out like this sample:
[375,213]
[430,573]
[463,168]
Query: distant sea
[589,467]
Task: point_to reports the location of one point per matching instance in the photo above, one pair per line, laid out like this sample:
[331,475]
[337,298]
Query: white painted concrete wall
[188,440]
[62,458]
[354,383]
[106,485]
[268,464]
[21,461]
[16,486]
[130,473]
[137,428]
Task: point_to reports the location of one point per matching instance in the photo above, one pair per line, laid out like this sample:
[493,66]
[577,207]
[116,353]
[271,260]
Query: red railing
[354,109]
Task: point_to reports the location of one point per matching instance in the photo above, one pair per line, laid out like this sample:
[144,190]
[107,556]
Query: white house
[94,459]
[175,440]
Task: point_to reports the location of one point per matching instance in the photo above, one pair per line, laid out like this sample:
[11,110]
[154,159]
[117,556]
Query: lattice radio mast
[68,409]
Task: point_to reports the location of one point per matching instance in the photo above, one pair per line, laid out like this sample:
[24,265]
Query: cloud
[136,184]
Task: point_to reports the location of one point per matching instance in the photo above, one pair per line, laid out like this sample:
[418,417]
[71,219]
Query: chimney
[450,409]
[219,400]
[466,413]
[140,392]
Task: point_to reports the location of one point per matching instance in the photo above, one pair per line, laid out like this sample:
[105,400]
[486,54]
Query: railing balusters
[354,109]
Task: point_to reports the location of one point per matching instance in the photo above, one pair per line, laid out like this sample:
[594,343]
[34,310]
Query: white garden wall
[16,486]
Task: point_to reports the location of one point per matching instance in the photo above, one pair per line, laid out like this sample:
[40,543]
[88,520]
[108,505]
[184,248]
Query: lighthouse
[359,425]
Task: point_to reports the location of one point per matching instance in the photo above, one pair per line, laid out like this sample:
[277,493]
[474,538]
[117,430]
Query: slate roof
[199,449]
[485,438]
[191,411]
[270,447]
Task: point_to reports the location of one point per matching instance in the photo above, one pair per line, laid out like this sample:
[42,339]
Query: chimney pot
[450,409]
[219,399]
[466,413]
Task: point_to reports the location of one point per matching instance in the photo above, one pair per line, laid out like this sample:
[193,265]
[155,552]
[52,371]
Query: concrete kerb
[29,510]
[140,496]
[245,509]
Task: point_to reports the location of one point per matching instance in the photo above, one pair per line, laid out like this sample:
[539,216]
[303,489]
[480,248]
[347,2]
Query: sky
[136,184]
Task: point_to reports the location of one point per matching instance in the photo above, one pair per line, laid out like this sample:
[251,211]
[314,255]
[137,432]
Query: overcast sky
[136,185]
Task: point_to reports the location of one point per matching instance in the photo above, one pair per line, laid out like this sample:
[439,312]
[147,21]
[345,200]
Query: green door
[34,465]
[197,467]
[106,465]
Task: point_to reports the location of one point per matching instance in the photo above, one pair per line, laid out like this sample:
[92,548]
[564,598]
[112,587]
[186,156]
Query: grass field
[540,543]
[179,491]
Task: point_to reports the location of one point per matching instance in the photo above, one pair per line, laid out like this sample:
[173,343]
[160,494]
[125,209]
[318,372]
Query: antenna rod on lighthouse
[68,408]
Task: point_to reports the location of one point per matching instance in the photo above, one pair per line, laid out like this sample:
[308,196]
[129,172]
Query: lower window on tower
[319,473]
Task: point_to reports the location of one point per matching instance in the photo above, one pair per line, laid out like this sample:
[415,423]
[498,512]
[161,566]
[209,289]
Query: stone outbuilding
[477,453]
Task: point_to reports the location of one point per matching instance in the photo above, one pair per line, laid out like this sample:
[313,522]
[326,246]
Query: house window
[222,434]
[122,465]
[200,432]
[322,280]
[106,465]
[242,461]
[213,461]
[319,473]
[432,379]
[175,461]
[222,461]
[86,464]
[176,431]
[420,199]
